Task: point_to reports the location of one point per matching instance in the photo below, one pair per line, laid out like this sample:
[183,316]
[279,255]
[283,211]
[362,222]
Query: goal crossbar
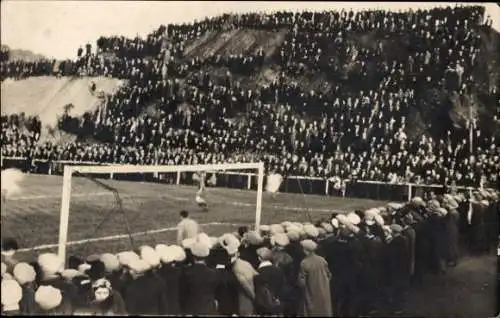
[119,169]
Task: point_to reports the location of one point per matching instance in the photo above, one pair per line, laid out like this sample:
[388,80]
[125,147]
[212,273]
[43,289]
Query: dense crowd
[356,129]
[351,264]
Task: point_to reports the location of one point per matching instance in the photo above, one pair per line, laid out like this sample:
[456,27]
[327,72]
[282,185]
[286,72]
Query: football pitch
[102,216]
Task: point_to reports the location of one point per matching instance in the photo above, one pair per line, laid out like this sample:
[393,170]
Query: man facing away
[186,228]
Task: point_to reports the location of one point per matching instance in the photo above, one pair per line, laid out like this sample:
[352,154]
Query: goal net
[111,208]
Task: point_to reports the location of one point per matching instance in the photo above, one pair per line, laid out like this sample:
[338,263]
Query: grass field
[148,209]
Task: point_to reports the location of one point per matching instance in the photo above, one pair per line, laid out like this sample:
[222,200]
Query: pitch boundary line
[116,237]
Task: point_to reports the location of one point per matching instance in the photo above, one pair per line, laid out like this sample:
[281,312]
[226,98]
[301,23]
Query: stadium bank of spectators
[356,129]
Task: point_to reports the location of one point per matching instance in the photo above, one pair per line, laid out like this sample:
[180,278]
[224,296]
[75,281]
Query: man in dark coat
[146,293]
[268,284]
[200,283]
[171,272]
[397,271]
[227,291]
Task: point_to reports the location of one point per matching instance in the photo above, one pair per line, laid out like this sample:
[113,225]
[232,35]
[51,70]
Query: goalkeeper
[200,194]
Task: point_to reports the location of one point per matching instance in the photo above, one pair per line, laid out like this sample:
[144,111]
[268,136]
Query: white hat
[149,255]
[164,251]
[50,263]
[293,235]
[379,219]
[418,201]
[276,228]
[110,261]
[335,223]
[395,205]
[311,230]
[200,250]
[280,239]
[11,295]
[187,243]
[83,268]
[309,245]
[71,273]
[264,228]
[139,266]
[48,297]
[179,254]
[205,239]
[353,218]
[24,273]
[126,257]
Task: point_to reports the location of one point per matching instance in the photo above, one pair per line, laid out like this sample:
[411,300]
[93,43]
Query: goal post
[69,170]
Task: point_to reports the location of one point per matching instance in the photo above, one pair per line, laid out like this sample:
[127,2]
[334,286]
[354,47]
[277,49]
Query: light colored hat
[264,228]
[396,228]
[253,238]
[293,227]
[264,253]
[353,228]
[200,250]
[70,273]
[149,255]
[299,225]
[229,240]
[311,230]
[395,205]
[335,223]
[111,262]
[433,205]
[125,258]
[205,239]
[179,254]
[83,268]
[286,224]
[24,273]
[164,252]
[11,295]
[50,263]
[321,232]
[327,226]
[139,266]
[276,228]
[353,218]
[280,239]
[293,235]
[451,204]
[441,211]
[188,243]
[418,201]
[379,219]
[342,219]
[48,297]
[309,245]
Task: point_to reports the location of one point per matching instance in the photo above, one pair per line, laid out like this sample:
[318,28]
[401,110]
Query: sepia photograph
[250,158]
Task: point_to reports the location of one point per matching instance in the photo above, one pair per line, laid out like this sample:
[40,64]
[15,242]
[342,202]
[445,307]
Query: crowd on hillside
[352,264]
[358,128]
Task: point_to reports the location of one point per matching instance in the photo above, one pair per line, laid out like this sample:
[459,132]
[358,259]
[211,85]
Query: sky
[57,28]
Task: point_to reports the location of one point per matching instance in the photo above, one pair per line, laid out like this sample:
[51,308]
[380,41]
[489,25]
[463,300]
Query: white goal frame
[118,169]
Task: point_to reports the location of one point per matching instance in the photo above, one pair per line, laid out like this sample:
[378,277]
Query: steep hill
[46,96]
[24,55]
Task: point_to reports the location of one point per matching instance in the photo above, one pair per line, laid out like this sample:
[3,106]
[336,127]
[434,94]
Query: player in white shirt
[200,194]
